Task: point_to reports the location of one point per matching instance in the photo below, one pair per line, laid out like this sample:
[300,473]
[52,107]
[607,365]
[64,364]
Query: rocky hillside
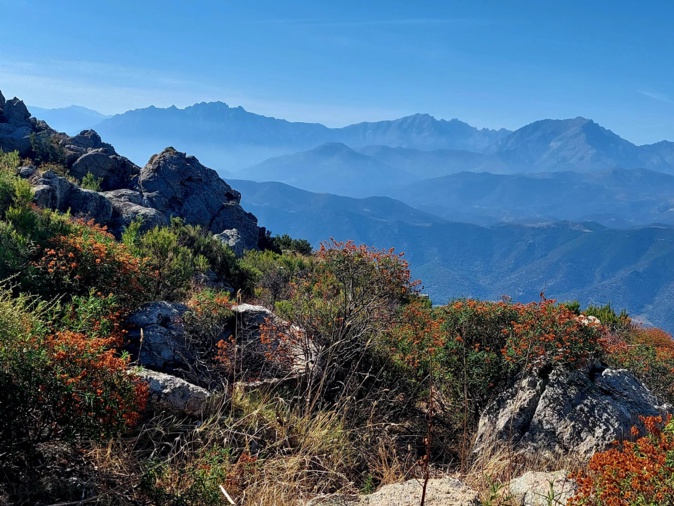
[170,185]
[192,359]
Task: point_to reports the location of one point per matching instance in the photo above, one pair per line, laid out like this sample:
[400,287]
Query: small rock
[542,489]
[163,337]
[27,171]
[439,492]
[174,394]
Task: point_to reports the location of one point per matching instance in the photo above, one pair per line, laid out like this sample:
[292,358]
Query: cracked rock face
[16,126]
[178,185]
[566,412]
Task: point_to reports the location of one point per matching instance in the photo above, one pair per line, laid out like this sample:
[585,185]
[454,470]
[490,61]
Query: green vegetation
[363,379]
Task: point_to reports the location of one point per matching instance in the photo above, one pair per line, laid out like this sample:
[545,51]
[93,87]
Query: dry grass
[499,463]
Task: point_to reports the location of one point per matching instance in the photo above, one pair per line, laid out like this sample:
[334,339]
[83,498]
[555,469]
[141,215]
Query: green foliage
[95,315]
[286,244]
[214,254]
[609,318]
[58,386]
[178,252]
[9,162]
[91,182]
[46,149]
[9,182]
[270,274]
[172,265]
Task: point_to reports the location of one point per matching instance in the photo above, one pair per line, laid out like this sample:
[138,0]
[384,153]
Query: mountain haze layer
[71,120]
[232,138]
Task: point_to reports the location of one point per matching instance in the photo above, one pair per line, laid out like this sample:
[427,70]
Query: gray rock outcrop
[562,412]
[174,394]
[232,239]
[127,206]
[16,126]
[163,346]
[172,184]
[55,192]
[86,153]
[178,185]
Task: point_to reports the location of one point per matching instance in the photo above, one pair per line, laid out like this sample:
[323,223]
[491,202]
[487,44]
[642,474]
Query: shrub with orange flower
[62,385]
[639,472]
[649,354]
[90,258]
[93,395]
[550,333]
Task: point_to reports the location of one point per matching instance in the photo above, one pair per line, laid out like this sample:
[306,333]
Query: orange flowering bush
[649,354]
[89,257]
[639,472]
[94,394]
[416,338]
[59,385]
[549,333]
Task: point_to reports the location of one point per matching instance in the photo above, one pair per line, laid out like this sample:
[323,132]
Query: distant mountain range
[614,197]
[232,138]
[71,120]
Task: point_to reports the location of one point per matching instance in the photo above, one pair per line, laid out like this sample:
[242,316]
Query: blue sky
[492,63]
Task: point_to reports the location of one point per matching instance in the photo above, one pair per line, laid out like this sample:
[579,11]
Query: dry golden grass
[499,463]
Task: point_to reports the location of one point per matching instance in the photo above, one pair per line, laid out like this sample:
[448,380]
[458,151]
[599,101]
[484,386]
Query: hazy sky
[499,63]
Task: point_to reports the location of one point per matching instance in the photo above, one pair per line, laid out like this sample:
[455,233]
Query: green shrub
[46,149]
[172,265]
[269,274]
[58,386]
[91,182]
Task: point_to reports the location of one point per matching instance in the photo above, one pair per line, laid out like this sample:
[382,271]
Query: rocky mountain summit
[171,184]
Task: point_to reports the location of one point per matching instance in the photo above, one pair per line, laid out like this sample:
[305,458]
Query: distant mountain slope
[71,120]
[436,163]
[233,138]
[616,198]
[320,215]
[574,144]
[632,269]
[579,145]
[333,168]
[420,131]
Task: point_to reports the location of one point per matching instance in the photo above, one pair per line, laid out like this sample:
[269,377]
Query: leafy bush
[345,303]
[91,182]
[286,244]
[90,258]
[649,354]
[640,472]
[270,274]
[46,149]
[220,257]
[59,386]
